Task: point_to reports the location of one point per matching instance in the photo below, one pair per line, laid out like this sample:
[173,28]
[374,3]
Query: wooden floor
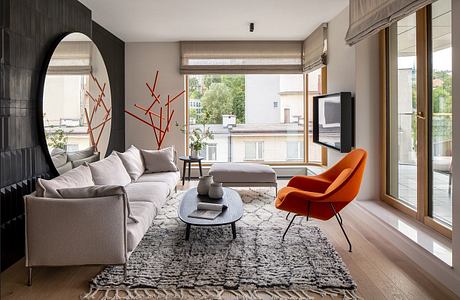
[380,270]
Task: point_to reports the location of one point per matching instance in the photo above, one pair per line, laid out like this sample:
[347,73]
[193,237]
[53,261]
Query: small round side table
[188,161]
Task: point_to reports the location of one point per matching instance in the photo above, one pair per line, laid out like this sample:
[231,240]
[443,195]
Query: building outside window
[254,150]
[248,108]
[294,150]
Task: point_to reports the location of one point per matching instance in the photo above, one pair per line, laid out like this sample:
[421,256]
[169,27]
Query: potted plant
[198,140]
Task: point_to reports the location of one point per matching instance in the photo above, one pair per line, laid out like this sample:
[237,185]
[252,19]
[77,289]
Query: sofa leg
[29,276]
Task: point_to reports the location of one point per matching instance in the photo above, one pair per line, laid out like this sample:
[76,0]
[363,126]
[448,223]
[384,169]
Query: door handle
[420,115]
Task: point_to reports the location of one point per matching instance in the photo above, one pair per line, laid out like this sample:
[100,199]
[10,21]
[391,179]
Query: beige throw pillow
[97,191]
[109,171]
[78,177]
[133,162]
[159,160]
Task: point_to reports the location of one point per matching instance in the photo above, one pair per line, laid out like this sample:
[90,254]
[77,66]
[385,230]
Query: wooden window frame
[421,214]
[287,163]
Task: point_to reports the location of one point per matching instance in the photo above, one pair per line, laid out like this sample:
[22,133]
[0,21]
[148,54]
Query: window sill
[422,235]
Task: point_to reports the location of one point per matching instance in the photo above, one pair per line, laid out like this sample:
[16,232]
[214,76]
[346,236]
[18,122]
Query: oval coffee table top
[231,198]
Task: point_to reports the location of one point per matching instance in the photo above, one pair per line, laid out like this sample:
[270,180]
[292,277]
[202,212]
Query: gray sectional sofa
[98,213]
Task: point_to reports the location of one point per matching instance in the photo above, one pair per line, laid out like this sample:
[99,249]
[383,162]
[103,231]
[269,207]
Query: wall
[29,30]
[356,69]
[142,61]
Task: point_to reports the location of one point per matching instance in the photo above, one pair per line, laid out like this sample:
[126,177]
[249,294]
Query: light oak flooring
[380,270]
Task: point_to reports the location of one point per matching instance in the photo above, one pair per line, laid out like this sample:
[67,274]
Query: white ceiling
[177,20]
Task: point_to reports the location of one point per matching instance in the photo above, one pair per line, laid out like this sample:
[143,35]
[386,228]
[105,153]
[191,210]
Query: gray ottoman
[243,174]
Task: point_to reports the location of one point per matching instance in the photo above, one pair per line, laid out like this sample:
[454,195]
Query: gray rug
[256,265]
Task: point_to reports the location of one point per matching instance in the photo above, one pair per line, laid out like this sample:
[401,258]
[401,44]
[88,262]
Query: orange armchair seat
[324,196]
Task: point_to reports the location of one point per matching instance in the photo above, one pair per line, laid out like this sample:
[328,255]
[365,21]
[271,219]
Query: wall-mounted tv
[333,121]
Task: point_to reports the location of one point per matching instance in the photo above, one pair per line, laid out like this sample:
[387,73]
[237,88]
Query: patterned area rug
[211,265]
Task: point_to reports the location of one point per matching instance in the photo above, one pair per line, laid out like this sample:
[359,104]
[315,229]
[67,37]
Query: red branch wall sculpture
[159,120]
[99,105]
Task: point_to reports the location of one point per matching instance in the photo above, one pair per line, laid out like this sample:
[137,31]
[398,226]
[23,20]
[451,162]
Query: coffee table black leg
[187,232]
[201,171]
[189,168]
[234,230]
[183,173]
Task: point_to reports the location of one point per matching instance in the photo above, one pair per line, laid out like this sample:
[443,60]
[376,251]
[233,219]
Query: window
[210,152]
[315,88]
[240,110]
[418,115]
[294,150]
[254,151]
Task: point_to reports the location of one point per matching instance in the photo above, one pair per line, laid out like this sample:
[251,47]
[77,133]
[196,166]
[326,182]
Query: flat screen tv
[333,121]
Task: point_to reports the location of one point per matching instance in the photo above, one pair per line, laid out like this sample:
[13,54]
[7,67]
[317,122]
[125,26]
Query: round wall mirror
[76,103]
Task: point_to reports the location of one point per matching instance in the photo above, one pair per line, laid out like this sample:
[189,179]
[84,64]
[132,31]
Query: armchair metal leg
[289,226]
[125,271]
[287,216]
[341,227]
[29,276]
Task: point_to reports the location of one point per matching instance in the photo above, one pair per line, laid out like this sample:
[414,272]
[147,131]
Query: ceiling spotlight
[251,27]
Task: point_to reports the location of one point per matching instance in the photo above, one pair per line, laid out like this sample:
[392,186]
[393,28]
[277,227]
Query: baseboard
[433,266]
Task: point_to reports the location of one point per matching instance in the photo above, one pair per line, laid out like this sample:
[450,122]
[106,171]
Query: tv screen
[333,121]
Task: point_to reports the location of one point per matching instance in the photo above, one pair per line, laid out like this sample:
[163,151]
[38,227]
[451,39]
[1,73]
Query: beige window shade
[367,17]
[243,57]
[71,58]
[315,49]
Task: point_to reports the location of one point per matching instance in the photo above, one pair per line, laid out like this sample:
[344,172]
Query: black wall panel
[29,28]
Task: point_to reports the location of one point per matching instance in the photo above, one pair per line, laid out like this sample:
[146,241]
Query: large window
[418,115]
[253,117]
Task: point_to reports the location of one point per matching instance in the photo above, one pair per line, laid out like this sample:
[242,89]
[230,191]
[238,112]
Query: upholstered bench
[243,174]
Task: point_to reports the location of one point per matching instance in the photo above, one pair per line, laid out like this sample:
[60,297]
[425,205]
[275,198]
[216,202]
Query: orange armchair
[324,196]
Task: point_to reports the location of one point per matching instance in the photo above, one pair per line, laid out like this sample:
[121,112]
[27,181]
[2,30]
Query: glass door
[402,112]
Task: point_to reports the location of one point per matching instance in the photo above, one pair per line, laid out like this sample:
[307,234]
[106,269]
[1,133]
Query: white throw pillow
[133,162]
[109,171]
[159,160]
[78,177]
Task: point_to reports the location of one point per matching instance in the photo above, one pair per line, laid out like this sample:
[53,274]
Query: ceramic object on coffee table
[216,191]
[204,184]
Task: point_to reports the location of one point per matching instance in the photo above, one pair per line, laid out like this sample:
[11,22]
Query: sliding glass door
[440,173]
[417,67]
[402,112]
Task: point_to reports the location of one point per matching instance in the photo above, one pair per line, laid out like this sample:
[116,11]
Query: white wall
[356,69]
[142,60]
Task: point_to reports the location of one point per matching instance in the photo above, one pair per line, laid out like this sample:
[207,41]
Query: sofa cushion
[109,171]
[133,162]
[170,178]
[242,172]
[97,191]
[144,212]
[93,158]
[64,168]
[59,157]
[159,160]
[78,177]
[76,155]
[153,192]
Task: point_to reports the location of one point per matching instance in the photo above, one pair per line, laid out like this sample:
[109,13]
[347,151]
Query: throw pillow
[78,177]
[97,191]
[109,171]
[76,155]
[133,162]
[159,160]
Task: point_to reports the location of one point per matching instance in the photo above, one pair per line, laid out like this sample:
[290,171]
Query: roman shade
[241,57]
[315,49]
[367,17]
[71,58]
